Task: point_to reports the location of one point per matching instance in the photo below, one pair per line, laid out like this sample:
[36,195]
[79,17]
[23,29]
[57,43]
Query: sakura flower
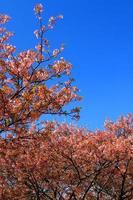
[60,16]
[38,8]
[55,52]
[52,20]
[4,19]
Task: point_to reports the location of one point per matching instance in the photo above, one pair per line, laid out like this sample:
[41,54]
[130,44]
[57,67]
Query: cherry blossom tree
[66,162]
[31,83]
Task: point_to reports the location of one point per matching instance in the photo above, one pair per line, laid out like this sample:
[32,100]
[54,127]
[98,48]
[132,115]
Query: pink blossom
[38,8]
[4,19]
[55,52]
[60,16]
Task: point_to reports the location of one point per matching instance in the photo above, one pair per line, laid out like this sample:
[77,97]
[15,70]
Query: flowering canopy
[26,90]
[69,163]
[54,161]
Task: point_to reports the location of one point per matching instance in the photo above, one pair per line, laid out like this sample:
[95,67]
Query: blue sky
[99,43]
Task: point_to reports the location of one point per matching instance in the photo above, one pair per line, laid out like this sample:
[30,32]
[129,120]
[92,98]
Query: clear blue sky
[99,43]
